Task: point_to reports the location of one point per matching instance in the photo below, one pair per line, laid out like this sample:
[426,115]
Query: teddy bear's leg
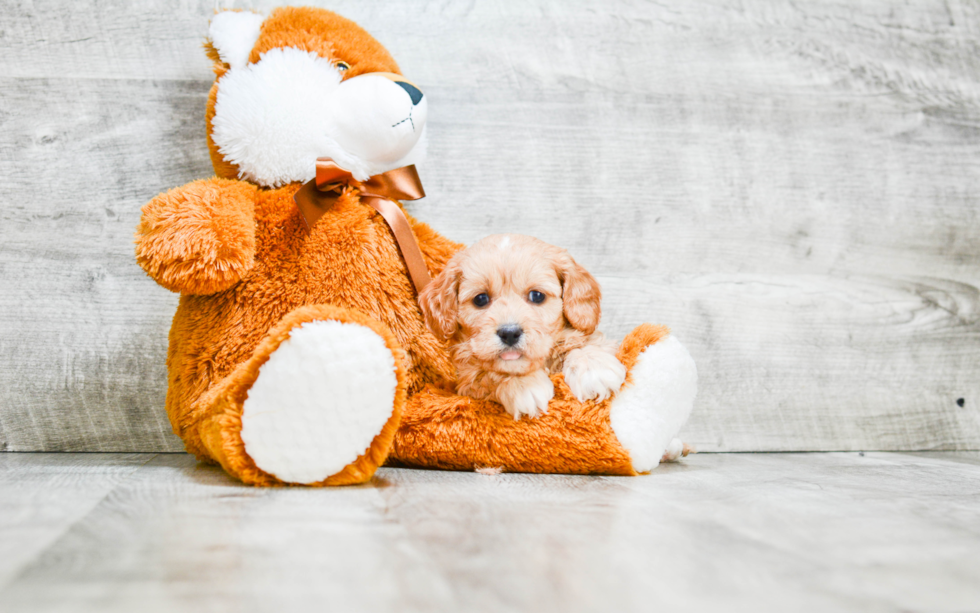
[656,399]
[318,402]
[625,435]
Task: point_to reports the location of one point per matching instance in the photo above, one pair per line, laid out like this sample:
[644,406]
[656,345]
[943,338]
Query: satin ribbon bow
[380,192]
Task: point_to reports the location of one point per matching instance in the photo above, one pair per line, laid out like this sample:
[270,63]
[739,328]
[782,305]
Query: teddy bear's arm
[199,238]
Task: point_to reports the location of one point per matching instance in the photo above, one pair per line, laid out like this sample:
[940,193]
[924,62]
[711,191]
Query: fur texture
[200,238]
[273,118]
[325,34]
[645,425]
[249,272]
[516,309]
[319,400]
[232,34]
[440,429]
[215,435]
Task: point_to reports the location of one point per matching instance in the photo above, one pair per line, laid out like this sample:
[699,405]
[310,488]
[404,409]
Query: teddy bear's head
[305,83]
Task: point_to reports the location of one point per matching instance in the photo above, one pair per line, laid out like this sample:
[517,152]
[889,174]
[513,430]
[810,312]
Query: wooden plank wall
[793,187]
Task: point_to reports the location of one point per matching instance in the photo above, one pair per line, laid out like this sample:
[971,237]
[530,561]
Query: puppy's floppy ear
[580,295]
[439,301]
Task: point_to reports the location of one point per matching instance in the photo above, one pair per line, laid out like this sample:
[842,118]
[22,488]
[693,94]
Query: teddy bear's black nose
[510,334]
[414,93]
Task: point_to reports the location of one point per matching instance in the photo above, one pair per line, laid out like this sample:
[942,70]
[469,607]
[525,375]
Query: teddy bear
[298,353]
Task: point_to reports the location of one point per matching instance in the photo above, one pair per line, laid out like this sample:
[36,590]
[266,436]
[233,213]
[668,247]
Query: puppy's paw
[528,395]
[593,374]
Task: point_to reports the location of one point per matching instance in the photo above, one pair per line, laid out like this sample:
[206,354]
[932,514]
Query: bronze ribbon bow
[379,191]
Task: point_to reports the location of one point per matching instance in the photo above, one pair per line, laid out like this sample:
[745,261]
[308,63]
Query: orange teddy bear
[298,353]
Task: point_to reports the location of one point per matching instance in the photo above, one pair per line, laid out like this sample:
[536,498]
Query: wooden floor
[720,532]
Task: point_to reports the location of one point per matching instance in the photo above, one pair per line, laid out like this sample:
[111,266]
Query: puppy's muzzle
[510,334]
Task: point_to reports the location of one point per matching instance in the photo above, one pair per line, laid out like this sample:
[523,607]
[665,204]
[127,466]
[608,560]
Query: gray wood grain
[881,532]
[840,362]
[43,495]
[83,331]
[794,188]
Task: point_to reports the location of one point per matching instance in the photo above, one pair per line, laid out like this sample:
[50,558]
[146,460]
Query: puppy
[516,309]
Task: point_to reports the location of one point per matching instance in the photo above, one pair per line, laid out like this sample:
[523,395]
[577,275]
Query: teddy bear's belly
[349,259]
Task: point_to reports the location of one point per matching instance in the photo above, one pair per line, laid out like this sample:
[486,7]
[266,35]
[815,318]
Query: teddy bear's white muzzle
[377,118]
[275,117]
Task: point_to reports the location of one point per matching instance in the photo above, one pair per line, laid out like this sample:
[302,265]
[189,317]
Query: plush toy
[298,353]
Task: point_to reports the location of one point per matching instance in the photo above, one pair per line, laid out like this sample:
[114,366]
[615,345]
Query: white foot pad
[319,401]
[648,413]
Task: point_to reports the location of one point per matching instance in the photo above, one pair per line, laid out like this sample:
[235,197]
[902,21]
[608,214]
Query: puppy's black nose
[510,334]
[413,92]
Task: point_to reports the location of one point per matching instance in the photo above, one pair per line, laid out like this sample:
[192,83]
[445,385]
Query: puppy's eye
[342,66]
[535,296]
[481,300]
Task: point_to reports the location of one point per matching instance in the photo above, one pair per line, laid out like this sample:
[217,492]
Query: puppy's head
[502,302]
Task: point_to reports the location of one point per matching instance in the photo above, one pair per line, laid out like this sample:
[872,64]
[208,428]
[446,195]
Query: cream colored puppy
[516,309]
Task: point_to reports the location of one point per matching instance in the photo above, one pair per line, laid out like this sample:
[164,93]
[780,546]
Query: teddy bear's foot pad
[319,401]
[656,401]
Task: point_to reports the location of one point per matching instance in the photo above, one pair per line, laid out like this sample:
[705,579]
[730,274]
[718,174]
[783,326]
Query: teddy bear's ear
[233,34]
